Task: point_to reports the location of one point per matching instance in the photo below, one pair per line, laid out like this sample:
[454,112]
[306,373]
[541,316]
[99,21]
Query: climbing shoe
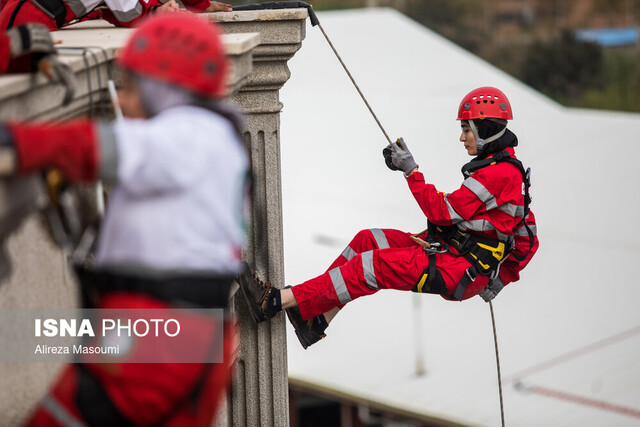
[308,331]
[262,298]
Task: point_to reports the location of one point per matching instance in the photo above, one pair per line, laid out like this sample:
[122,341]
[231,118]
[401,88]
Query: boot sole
[306,337]
[254,312]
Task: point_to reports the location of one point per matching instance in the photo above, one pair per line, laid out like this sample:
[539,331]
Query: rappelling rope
[495,340]
[85,51]
[315,22]
[354,83]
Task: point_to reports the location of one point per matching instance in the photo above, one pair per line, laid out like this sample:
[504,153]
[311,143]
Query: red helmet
[485,102]
[180,49]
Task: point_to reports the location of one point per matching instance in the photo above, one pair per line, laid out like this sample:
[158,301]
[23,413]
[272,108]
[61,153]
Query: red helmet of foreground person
[180,49]
[485,102]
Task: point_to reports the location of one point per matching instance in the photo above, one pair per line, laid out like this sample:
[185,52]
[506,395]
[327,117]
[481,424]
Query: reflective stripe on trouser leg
[363,242]
[381,239]
[348,253]
[398,267]
[339,285]
[369,272]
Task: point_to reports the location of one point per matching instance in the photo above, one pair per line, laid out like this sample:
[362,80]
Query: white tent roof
[580,289]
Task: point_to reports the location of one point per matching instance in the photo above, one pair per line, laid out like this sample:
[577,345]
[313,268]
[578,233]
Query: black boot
[262,299]
[310,331]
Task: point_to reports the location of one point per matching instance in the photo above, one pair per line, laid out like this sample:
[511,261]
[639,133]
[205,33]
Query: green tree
[622,88]
[461,21]
[563,68]
[336,4]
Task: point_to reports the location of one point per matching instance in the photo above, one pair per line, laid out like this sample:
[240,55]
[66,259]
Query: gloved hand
[59,72]
[494,287]
[29,38]
[398,157]
[35,39]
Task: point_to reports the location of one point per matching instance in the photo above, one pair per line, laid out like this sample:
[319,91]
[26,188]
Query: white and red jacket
[177,208]
[178,199]
[121,13]
[5,52]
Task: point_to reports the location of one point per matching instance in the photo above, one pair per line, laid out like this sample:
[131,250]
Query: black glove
[386,152]
[398,157]
[29,38]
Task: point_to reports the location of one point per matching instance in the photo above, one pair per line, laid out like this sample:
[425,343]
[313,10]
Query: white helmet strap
[482,142]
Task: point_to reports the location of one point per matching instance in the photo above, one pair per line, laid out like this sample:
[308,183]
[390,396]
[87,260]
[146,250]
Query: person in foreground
[173,229]
[479,237]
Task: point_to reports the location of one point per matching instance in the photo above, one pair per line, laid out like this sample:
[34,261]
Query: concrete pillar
[260,387]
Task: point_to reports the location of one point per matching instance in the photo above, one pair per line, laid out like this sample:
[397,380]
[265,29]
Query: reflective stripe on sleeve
[348,253]
[481,192]
[512,210]
[477,225]
[522,231]
[339,285]
[60,413]
[367,267]
[503,237]
[482,225]
[78,7]
[381,239]
[108,153]
[129,15]
[455,217]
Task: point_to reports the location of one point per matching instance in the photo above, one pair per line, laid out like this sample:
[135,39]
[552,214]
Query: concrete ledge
[260,15]
[281,31]
[89,48]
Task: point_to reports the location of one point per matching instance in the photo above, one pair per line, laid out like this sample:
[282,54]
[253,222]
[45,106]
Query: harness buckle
[430,246]
[471,273]
[496,272]
[435,248]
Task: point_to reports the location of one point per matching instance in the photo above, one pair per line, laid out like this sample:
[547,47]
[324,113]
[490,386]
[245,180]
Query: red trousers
[138,394]
[378,259]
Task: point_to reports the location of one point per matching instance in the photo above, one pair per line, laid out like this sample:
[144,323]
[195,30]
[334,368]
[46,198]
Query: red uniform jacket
[129,12]
[5,52]
[489,203]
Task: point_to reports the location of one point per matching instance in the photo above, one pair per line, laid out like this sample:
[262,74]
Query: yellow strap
[497,252]
[482,264]
[422,282]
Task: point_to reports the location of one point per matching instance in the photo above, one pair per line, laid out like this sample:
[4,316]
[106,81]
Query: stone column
[260,387]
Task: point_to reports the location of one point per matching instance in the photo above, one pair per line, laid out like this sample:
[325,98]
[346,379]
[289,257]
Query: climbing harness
[485,254]
[500,157]
[71,232]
